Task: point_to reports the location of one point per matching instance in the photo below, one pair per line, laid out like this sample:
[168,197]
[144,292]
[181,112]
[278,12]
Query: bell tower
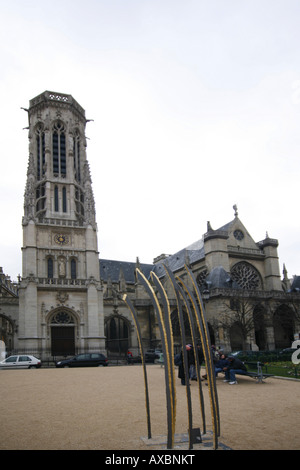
[61,299]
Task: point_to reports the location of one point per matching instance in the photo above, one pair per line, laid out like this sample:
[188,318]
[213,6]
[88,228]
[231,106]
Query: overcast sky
[196,107]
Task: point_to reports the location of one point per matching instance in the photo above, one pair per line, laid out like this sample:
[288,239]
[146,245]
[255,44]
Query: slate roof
[111,269]
[295,287]
[190,254]
[219,278]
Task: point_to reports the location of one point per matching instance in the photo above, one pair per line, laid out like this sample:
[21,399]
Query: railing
[250,251]
[57,97]
[282,369]
[62,282]
[61,222]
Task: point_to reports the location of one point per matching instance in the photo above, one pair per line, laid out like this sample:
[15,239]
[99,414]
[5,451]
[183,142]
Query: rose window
[62,317]
[246,276]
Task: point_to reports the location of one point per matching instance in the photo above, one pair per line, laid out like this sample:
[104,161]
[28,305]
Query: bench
[259,375]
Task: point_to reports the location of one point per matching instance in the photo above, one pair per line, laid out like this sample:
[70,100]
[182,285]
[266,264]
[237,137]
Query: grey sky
[196,108]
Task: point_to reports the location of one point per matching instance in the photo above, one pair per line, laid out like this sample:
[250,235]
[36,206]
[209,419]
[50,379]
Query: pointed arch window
[64,199]
[59,150]
[50,268]
[40,151]
[76,152]
[73,269]
[56,199]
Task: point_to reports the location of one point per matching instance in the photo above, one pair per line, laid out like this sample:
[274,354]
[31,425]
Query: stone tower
[61,299]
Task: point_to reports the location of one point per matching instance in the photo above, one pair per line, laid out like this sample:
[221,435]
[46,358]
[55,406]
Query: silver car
[23,361]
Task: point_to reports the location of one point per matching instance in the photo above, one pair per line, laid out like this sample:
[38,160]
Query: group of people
[229,365]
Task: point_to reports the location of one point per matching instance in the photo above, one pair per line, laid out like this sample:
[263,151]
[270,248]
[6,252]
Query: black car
[150,357]
[84,360]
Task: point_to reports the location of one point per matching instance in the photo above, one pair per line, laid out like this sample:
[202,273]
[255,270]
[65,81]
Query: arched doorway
[283,324]
[117,332]
[259,326]
[62,331]
[236,337]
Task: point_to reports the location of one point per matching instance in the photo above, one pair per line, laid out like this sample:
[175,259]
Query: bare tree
[243,313]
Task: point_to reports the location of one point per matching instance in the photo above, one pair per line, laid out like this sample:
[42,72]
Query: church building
[68,300]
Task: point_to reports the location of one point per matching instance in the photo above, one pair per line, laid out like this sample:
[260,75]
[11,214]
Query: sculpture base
[181,442]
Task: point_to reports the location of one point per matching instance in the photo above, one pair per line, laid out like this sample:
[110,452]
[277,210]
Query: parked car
[149,358]
[84,360]
[23,361]
[151,355]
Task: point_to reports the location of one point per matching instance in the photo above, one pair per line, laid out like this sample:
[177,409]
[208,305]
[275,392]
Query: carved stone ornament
[62,297]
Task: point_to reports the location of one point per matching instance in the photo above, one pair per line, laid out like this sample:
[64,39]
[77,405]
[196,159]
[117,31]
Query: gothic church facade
[68,300]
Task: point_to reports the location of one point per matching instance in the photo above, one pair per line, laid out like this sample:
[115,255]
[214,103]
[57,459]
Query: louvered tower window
[73,269]
[76,152]
[56,199]
[40,152]
[59,150]
[64,199]
[50,268]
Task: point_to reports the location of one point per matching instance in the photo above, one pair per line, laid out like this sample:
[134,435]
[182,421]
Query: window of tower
[50,268]
[59,150]
[63,164]
[73,269]
[76,152]
[56,199]
[64,199]
[40,151]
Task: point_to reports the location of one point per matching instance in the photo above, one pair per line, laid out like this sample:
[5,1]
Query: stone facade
[68,300]
[61,306]
[247,304]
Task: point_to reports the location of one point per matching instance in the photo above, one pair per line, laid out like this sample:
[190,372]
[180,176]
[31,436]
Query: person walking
[181,370]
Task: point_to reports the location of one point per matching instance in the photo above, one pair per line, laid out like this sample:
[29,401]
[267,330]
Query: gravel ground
[104,409]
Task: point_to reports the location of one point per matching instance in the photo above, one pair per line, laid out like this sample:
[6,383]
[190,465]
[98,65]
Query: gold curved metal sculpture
[192,303]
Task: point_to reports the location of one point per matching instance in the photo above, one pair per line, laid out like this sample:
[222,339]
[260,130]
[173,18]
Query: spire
[209,227]
[235,210]
[286,283]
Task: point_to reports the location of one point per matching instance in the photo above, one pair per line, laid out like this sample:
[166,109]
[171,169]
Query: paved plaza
[104,409]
